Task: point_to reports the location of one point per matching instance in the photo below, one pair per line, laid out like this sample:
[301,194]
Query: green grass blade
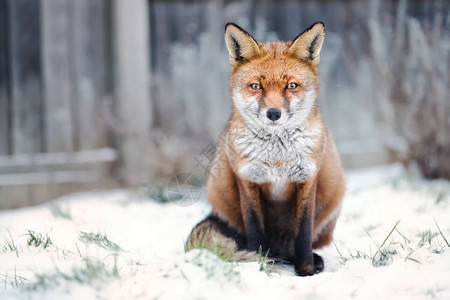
[382,244]
[440,231]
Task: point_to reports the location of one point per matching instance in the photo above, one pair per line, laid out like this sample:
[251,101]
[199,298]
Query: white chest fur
[278,190]
[277,157]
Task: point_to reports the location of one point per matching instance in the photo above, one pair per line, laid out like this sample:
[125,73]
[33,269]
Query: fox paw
[310,269]
[318,264]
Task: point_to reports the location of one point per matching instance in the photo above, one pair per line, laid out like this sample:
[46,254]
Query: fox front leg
[252,213]
[306,263]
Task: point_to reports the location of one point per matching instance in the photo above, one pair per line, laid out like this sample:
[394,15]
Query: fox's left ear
[307,45]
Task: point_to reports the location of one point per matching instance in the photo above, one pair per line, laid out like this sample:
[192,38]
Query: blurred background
[113,93]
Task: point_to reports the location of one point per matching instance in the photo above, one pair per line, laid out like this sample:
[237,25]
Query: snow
[152,264]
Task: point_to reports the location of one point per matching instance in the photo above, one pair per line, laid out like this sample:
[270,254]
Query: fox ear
[241,45]
[307,45]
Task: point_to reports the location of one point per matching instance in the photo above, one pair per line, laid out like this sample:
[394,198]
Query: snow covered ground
[389,244]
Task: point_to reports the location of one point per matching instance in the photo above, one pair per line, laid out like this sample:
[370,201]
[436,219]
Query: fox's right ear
[241,45]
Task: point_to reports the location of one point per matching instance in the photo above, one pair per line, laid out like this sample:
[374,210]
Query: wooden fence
[58,94]
[96,93]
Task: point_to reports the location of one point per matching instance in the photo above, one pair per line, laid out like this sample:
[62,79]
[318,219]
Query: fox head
[274,84]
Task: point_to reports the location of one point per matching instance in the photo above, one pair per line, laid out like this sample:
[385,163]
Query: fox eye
[255,86]
[291,86]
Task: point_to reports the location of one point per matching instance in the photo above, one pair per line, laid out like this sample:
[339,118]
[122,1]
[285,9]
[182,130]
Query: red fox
[276,181]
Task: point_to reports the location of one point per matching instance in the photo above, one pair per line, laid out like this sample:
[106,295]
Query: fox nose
[273,114]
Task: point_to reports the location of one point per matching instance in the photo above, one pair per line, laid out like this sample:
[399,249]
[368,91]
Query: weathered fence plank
[25,55]
[132,86]
[5,137]
[55,56]
[160,59]
[88,71]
